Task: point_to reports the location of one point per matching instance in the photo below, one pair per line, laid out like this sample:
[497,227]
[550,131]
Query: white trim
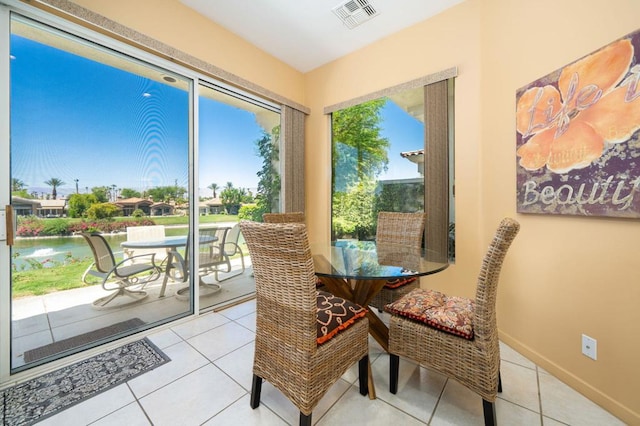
[5,198]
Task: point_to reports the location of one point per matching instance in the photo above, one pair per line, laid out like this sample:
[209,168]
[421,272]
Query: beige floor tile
[418,388]
[130,415]
[221,340]
[508,354]
[355,409]
[458,406]
[164,338]
[241,413]
[184,360]
[192,399]
[240,310]
[199,325]
[513,414]
[274,399]
[239,365]
[519,386]
[560,402]
[248,321]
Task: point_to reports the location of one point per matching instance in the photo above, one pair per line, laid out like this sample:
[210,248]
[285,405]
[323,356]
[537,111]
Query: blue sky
[73,118]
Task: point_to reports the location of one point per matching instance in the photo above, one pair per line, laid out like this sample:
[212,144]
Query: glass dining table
[358,270]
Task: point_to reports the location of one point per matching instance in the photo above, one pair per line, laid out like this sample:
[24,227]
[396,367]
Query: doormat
[44,396]
[81,340]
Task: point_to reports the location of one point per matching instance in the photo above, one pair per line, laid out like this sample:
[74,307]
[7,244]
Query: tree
[17,185]
[54,183]
[269,183]
[231,198]
[354,211]
[103,211]
[80,203]
[129,193]
[359,150]
[166,193]
[213,187]
[359,155]
[101,193]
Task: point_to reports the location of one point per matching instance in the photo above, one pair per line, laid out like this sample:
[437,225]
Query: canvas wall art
[578,136]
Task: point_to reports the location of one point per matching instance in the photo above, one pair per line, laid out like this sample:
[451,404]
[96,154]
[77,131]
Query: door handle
[9,225]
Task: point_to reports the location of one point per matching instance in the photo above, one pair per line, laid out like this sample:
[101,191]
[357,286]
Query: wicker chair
[294,217]
[473,361]
[398,228]
[287,353]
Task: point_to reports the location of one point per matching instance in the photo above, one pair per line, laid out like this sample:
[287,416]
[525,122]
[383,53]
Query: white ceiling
[306,33]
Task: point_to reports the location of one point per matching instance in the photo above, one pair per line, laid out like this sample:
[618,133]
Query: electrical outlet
[589,347]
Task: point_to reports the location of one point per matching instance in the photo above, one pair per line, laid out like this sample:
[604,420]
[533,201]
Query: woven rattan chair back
[287,353]
[401,228]
[485,324]
[475,363]
[406,229]
[285,283]
[294,217]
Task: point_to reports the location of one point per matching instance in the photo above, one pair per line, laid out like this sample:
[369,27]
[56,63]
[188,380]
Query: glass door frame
[7,374]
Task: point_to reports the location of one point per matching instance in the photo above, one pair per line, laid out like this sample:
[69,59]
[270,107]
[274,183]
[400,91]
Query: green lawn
[36,282]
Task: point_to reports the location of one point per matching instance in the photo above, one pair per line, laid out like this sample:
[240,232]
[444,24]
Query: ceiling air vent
[354,12]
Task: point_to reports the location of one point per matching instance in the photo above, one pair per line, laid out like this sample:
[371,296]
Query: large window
[390,154]
[105,138]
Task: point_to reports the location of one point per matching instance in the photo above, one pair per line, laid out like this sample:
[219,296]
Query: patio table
[171,244]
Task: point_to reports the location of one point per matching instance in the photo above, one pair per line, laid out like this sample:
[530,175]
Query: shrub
[137,213]
[102,211]
[55,227]
[29,226]
[251,212]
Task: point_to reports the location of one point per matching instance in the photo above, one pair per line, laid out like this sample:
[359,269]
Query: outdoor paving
[41,320]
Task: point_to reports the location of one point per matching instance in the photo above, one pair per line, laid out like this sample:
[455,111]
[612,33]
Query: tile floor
[208,382]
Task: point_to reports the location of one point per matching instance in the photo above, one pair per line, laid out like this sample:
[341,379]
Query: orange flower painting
[578,130]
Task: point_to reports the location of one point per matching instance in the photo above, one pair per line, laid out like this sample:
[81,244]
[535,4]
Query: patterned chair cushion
[451,314]
[399,282]
[335,314]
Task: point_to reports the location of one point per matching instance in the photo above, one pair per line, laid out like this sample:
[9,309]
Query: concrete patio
[41,320]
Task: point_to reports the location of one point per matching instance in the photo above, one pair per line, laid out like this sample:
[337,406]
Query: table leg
[166,272]
[371,384]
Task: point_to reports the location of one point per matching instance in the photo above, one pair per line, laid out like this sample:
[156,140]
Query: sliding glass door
[239,178]
[112,158]
[99,143]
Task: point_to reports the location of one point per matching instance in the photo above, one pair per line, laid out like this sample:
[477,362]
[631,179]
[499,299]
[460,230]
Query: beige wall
[564,275]
[178,26]
[567,275]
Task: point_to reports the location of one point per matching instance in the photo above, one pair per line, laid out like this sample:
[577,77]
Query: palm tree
[17,185]
[229,185]
[54,183]
[213,187]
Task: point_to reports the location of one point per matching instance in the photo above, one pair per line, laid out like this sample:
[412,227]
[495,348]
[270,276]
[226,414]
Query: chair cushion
[335,314]
[399,282]
[451,314]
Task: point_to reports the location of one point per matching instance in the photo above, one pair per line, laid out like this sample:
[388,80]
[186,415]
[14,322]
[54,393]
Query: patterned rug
[42,397]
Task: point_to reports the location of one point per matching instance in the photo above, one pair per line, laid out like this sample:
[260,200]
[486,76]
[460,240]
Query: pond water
[50,251]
